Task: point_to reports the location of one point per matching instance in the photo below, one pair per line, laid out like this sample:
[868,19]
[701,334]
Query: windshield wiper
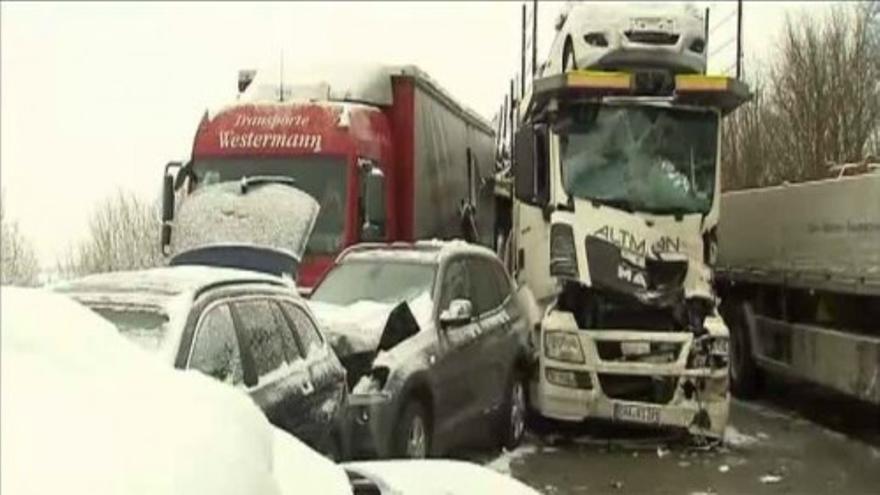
[620,204]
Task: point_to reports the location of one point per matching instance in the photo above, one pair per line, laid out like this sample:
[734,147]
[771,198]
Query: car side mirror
[459,312]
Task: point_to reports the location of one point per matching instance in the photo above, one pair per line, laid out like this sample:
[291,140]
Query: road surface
[796,443]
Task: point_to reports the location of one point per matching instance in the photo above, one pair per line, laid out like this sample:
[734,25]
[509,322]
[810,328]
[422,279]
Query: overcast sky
[97,97]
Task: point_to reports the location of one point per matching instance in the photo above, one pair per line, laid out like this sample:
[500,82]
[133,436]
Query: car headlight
[563,346]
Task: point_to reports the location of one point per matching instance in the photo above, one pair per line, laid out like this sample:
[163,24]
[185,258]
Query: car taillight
[563,256]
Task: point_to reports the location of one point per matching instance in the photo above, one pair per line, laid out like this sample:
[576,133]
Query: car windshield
[323,177]
[655,159]
[146,326]
[379,281]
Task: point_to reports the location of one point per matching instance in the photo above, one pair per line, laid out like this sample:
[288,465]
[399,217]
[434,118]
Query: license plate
[656,24]
[638,414]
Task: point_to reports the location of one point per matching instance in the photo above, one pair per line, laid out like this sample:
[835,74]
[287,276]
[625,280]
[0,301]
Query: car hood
[269,215]
[446,478]
[358,327]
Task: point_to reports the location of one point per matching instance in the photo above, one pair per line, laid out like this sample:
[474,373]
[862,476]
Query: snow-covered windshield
[322,177]
[379,281]
[146,326]
[654,159]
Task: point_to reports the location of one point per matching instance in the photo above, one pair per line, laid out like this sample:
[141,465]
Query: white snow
[440,477]
[272,215]
[87,412]
[735,438]
[770,479]
[502,463]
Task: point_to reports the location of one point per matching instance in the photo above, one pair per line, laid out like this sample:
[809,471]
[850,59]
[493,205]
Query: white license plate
[638,414]
[655,24]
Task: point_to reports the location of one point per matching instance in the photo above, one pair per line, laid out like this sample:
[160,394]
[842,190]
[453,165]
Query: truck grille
[655,390]
[659,352]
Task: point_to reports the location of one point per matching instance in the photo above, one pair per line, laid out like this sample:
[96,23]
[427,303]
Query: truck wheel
[412,435]
[745,377]
[513,422]
[568,60]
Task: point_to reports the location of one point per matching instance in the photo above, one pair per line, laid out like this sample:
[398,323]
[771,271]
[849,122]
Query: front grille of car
[655,390]
[651,37]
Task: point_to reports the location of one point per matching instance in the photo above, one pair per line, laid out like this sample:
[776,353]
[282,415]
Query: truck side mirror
[372,201]
[167,198]
[531,170]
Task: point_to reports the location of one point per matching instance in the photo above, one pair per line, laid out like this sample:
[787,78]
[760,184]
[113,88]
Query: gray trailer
[798,271]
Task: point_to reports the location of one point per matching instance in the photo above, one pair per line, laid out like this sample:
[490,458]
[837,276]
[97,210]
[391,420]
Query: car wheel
[745,377]
[514,411]
[412,435]
[568,59]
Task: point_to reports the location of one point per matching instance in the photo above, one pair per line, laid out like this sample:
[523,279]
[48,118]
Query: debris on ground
[736,438]
[770,479]
[763,436]
[617,485]
[684,464]
[661,452]
[723,468]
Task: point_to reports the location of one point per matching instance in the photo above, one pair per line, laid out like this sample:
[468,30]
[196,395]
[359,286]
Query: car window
[501,280]
[215,351]
[261,334]
[456,284]
[291,348]
[305,329]
[484,288]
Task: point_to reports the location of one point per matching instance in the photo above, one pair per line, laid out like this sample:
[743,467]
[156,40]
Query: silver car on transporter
[435,341]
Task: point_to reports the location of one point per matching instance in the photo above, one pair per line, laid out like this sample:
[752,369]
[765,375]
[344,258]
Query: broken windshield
[655,159]
[322,177]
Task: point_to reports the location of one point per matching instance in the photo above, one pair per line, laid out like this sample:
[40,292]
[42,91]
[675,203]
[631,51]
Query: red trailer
[387,153]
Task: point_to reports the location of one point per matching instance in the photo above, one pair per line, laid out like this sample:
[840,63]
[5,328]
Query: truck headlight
[563,346]
[563,256]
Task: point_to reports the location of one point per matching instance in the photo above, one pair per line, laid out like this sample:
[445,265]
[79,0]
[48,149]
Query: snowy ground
[771,448]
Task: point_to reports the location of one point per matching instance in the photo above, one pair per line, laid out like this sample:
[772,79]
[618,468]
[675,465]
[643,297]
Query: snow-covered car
[85,412]
[628,35]
[250,330]
[435,341]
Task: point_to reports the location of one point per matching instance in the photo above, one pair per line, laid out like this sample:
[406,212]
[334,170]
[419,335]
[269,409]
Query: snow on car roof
[168,281]
[144,428]
[426,251]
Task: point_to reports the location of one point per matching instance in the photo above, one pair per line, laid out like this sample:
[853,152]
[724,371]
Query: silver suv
[434,339]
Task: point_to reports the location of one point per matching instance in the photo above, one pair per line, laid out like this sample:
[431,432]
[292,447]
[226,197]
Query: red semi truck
[388,154]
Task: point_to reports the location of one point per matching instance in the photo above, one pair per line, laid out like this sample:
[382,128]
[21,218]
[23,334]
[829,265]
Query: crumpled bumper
[672,391]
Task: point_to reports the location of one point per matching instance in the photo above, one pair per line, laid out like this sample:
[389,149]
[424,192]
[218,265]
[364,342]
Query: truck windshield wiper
[620,204]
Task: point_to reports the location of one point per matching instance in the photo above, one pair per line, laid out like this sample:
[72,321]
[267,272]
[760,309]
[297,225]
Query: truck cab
[615,197]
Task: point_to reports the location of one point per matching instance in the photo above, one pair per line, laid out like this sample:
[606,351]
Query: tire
[412,425]
[569,62]
[514,409]
[745,377]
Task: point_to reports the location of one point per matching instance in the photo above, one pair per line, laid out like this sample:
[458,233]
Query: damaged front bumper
[662,379]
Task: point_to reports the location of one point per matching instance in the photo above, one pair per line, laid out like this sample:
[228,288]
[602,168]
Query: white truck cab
[614,200]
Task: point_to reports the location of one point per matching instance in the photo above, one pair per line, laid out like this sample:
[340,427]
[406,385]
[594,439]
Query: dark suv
[244,328]
[435,343]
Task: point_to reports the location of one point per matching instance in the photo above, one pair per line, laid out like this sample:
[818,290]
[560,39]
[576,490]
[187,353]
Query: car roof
[168,281]
[426,251]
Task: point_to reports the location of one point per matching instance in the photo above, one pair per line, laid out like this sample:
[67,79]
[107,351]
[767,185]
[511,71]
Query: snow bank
[86,412]
[440,477]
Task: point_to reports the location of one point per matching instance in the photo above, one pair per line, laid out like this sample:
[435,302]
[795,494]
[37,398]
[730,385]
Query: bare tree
[820,105]
[18,260]
[123,235]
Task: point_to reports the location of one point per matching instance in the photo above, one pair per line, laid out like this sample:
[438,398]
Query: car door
[326,375]
[488,349]
[279,381]
[454,373]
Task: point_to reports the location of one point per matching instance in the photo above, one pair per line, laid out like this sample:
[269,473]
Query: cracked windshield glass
[647,158]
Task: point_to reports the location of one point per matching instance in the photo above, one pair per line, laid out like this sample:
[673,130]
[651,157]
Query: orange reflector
[599,79]
[693,82]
